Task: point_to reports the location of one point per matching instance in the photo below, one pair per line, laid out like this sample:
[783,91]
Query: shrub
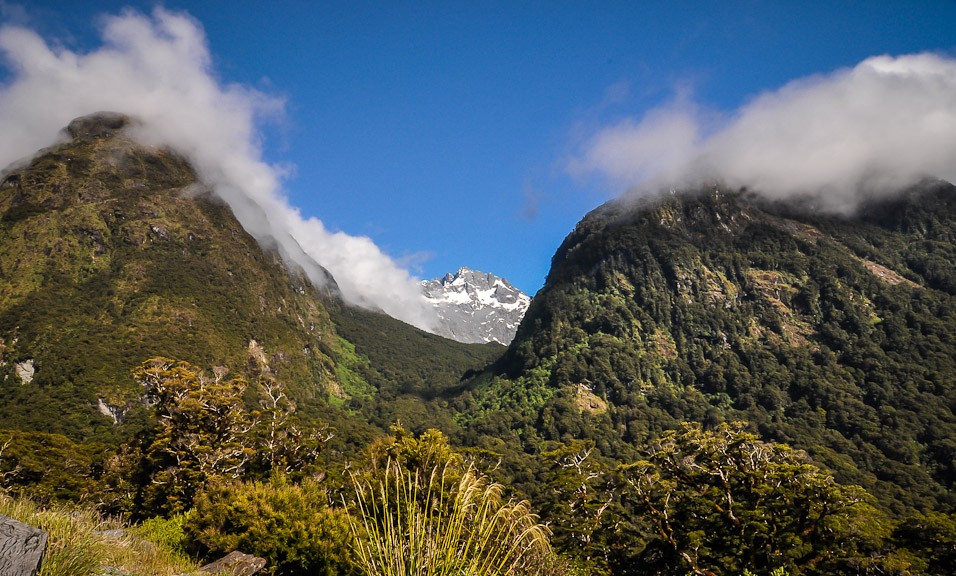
[77,546]
[290,525]
[169,532]
[73,548]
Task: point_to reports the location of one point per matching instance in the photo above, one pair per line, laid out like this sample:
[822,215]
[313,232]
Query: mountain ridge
[476,307]
[675,316]
[113,253]
[827,332]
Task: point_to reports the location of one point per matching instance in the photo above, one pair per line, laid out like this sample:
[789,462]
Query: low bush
[290,525]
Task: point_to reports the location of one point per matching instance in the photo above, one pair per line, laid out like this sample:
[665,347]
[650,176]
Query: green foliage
[201,433]
[205,433]
[774,572]
[927,543]
[417,454]
[408,488]
[833,335]
[723,501]
[281,440]
[579,503]
[349,368]
[112,254]
[77,545]
[524,396]
[49,468]
[290,525]
[170,533]
[414,374]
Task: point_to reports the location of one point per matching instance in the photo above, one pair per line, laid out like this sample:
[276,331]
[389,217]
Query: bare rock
[21,547]
[25,370]
[235,564]
[97,125]
[113,412]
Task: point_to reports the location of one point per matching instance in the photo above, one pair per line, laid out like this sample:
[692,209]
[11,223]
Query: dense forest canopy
[830,333]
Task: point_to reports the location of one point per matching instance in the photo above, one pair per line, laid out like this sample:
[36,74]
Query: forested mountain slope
[832,334]
[663,321]
[403,374]
[112,253]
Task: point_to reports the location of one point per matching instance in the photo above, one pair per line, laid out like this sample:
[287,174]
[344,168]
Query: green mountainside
[832,334]
[708,382]
[409,376]
[111,254]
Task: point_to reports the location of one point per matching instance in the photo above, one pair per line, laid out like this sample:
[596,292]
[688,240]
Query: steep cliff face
[112,253]
[476,307]
[834,334]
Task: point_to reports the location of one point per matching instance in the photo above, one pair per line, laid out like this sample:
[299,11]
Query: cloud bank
[838,138]
[158,69]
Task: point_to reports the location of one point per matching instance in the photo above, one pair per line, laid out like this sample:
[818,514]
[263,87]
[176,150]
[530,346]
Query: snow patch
[475,306]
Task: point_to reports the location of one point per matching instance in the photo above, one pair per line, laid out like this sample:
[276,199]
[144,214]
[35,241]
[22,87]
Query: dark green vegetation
[113,254]
[182,371]
[834,335]
[414,372]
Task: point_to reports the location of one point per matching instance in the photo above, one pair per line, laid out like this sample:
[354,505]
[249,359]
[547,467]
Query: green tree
[579,502]
[201,427]
[205,433]
[284,443]
[48,467]
[418,455]
[927,543]
[722,501]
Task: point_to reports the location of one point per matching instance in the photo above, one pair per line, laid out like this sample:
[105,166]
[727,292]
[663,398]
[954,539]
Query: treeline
[229,465]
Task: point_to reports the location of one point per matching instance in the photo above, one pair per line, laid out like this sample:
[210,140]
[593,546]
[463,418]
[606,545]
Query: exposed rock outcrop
[98,125]
[235,564]
[21,547]
[25,370]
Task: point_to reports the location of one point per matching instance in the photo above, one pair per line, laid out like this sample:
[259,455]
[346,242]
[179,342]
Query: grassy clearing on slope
[79,544]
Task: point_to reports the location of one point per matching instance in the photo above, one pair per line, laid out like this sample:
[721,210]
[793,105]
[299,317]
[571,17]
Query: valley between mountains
[709,382]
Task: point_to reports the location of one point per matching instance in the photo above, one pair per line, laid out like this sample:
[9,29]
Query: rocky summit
[475,306]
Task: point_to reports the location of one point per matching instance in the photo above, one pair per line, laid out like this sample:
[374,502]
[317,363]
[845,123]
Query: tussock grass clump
[412,524]
[74,547]
[80,546]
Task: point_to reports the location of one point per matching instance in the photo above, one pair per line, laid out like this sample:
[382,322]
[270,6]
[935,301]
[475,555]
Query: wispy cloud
[638,150]
[839,137]
[158,69]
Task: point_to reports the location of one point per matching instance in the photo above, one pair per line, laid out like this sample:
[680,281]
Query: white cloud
[158,69]
[840,137]
[633,151]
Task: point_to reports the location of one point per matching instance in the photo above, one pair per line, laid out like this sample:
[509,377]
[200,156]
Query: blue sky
[444,130]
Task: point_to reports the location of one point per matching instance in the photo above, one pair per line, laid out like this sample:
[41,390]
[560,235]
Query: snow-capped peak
[475,306]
